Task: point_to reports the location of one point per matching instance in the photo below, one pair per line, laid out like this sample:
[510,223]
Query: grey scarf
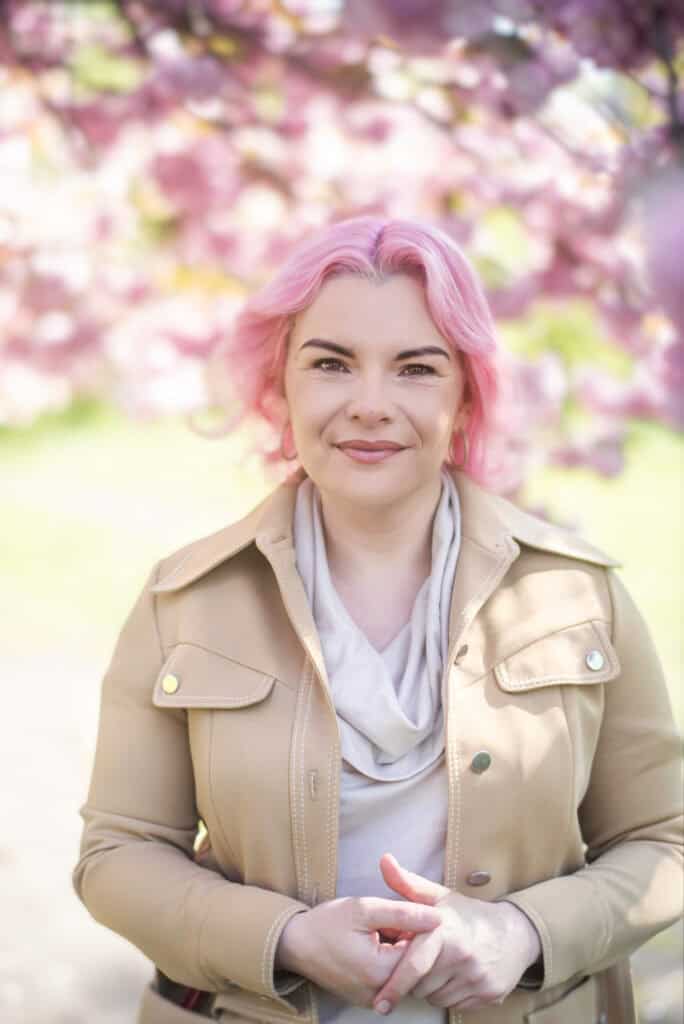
[388,703]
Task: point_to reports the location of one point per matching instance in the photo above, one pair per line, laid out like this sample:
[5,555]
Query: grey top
[394,783]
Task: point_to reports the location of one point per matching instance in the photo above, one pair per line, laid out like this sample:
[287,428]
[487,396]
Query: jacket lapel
[274,538]
[487,551]
[490,529]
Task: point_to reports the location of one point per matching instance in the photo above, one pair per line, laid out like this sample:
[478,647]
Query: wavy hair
[251,360]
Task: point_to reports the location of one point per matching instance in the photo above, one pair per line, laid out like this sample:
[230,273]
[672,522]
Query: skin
[470,952]
[371,511]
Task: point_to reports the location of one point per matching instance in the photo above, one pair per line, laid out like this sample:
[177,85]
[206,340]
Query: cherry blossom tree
[159,159]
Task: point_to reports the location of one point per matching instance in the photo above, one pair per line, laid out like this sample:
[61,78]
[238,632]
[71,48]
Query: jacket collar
[487,520]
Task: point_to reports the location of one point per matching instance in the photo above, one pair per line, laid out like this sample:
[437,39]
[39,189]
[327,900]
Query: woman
[427,733]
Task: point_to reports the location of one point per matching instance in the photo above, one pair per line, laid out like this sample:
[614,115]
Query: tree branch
[663,45]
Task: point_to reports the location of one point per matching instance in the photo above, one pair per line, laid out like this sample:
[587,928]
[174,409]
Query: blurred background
[158,160]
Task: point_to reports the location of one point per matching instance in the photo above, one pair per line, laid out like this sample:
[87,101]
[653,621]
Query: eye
[325,359]
[419,366]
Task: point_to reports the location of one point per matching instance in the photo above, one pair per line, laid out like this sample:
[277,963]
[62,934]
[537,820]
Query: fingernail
[383,1006]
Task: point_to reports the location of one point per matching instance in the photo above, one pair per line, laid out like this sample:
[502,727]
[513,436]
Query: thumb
[408,884]
[373,913]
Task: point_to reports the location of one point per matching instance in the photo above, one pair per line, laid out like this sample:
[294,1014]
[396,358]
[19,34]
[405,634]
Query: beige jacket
[215,706]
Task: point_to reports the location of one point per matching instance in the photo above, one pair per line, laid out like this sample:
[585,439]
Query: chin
[369,489]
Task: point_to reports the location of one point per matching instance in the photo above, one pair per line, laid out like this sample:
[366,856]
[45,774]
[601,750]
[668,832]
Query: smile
[364,455]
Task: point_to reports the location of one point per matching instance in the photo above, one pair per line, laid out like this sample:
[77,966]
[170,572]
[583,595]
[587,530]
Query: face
[352,373]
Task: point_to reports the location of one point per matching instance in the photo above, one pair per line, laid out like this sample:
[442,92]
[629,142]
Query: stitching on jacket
[547,945]
[555,632]
[573,773]
[155,574]
[457,805]
[220,654]
[302,774]
[180,565]
[294,795]
[613,607]
[268,955]
[331,806]
[454,817]
[210,787]
[224,702]
[464,616]
[560,678]
[296,786]
[596,677]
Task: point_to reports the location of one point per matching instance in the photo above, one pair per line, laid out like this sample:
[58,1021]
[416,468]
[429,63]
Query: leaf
[102,71]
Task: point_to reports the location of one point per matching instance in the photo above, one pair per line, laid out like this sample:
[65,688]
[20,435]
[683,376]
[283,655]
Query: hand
[475,957]
[338,944]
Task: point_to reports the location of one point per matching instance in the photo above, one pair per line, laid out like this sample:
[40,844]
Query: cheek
[313,401]
[436,420]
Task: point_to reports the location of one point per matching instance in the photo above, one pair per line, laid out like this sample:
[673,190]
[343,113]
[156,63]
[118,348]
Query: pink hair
[253,359]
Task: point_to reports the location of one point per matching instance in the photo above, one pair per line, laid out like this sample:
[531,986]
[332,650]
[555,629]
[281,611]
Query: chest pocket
[238,725]
[581,655]
[554,699]
[194,677]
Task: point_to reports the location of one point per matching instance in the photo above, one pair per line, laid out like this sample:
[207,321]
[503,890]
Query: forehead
[362,310]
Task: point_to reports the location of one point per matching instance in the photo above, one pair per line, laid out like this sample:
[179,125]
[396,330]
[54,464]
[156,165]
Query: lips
[371,446]
[371,454]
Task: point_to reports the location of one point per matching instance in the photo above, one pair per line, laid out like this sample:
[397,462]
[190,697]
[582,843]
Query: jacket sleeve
[630,817]
[136,873]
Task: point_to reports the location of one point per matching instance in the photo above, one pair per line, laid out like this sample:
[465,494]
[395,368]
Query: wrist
[290,954]
[525,933]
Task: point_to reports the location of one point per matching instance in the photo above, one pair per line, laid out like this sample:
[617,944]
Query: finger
[461,997]
[401,944]
[434,983]
[373,913]
[394,934]
[417,961]
[412,886]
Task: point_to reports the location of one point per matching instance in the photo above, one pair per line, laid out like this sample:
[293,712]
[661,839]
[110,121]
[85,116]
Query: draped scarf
[389,702]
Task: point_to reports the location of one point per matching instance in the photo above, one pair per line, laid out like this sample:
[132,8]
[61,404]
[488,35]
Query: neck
[364,542]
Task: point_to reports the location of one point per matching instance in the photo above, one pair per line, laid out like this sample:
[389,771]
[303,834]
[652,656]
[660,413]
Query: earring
[283,455]
[464,445]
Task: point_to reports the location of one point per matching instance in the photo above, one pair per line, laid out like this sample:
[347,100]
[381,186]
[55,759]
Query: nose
[369,401]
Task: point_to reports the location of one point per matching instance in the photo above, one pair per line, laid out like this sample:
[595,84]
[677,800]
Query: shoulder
[489,520]
[199,556]
[555,578]
[267,524]
[541,535]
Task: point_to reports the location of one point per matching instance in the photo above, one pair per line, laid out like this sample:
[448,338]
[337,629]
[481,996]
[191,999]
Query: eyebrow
[409,353]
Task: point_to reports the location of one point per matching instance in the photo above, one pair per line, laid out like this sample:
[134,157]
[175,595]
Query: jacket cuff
[568,914]
[251,920]
[285,982]
[533,978]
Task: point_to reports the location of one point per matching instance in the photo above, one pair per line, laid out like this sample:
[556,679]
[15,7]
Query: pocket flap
[193,677]
[580,654]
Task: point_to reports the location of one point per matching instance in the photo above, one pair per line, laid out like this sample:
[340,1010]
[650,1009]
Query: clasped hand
[435,944]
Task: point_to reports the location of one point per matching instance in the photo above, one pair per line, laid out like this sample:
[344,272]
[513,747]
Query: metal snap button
[170,684]
[595,660]
[478,878]
[481,762]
